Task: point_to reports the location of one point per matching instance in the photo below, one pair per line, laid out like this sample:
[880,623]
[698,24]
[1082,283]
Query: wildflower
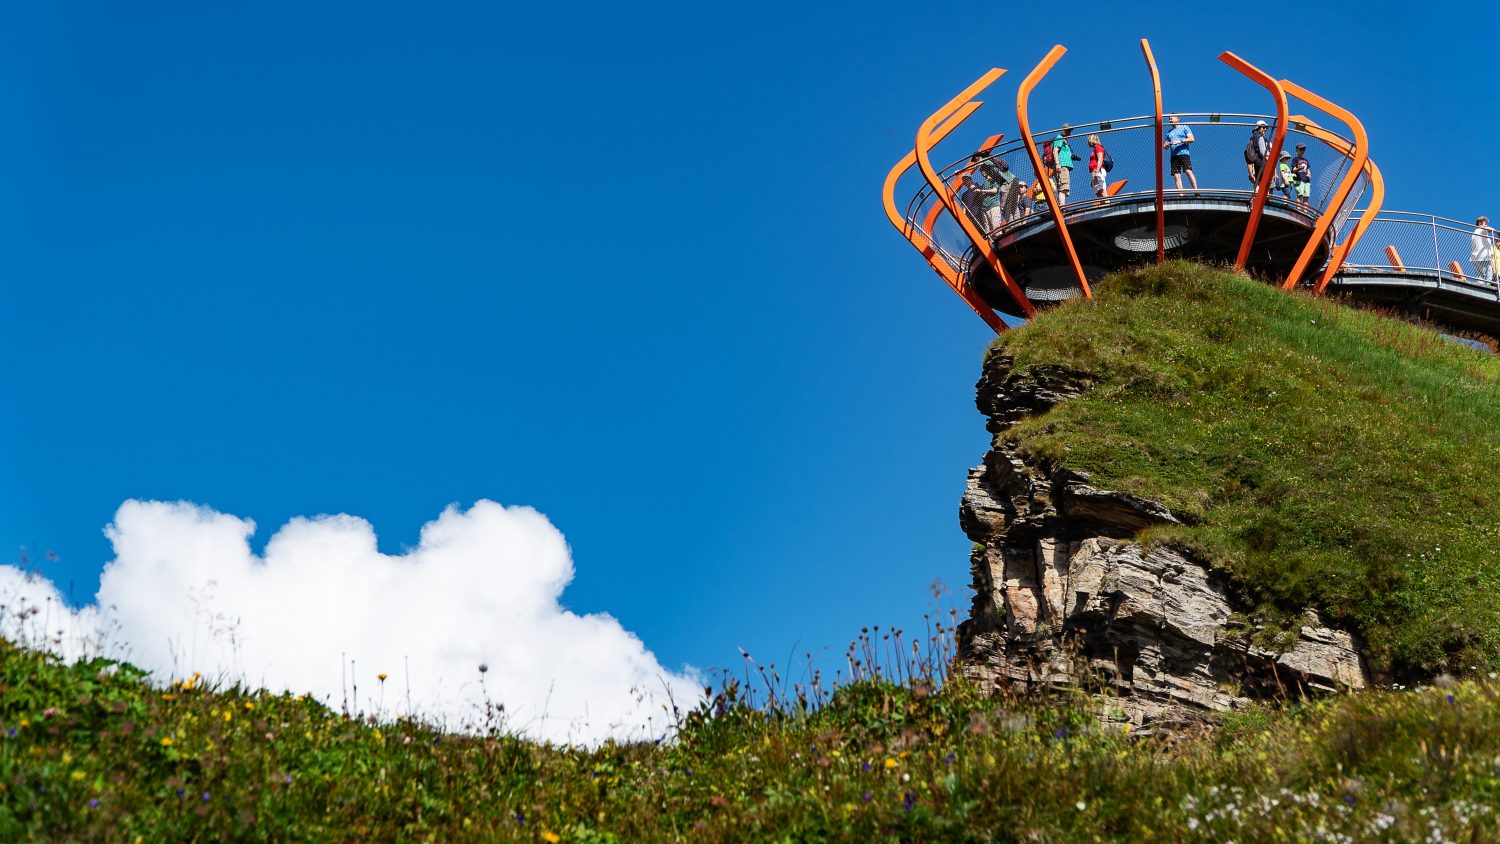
[908,800]
[78,775]
[520,817]
[287,779]
[890,763]
[1060,733]
[551,837]
[1080,805]
[93,803]
[1450,698]
[249,706]
[228,715]
[181,793]
[866,767]
[380,677]
[205,797]
[483,668]
[1349,798]
[166,741]
[951,757]
[867,797]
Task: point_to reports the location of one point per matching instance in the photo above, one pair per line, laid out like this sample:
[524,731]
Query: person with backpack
[1062,158]
[1100,163]
[1302,176]
[983,204]
[1257,151]
[996,174]
[1179,138]
[1284,178]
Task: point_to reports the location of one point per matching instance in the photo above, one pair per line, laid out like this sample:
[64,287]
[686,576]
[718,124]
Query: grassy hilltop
[1323,456]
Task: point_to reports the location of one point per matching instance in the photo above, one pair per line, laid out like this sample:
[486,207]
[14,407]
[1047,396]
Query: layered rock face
[1064,596]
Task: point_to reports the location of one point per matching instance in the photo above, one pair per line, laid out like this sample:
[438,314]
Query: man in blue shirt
[1178,139]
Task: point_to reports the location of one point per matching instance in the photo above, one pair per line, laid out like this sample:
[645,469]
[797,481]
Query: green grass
[1322,455]
[89,752]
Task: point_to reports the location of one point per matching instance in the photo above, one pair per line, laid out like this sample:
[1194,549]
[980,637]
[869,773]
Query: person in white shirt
[1482,249]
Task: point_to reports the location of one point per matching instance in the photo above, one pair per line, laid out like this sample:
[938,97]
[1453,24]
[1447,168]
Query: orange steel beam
[1361,156]
[1161,208]
[1022,96]
[1263,189]
[937,207]
[1341,252]
[925,142]
[1377,198]
[1394,257]
[922,241]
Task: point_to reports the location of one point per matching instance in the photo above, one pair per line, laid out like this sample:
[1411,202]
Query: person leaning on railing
[983,204]
[996,174]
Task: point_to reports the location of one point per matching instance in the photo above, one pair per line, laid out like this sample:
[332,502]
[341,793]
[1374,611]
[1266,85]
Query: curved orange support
[925,142]
[1377,198]
[1361,156]
[1341,252]
[1022,96]
[1263,189]
[937,207]
[1161,208]
[922,241]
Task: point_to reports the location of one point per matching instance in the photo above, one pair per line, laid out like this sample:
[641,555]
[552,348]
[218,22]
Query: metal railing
[1218,162]
[1405,243]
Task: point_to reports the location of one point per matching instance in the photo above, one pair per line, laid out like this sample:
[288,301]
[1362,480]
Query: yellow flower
[228,715]
[381,677]
[890,763]
[166,741]
[169,696]
[249,706]
[379,736]
[551,837]
[78,775]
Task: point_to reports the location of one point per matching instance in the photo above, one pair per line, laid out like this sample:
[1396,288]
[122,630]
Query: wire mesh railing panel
[1403,243]
[1001,189]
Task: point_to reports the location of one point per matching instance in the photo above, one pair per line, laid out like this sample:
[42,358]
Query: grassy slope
[91,755]
[1326,456]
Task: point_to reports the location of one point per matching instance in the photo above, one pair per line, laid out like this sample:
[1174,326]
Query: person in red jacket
[1098,176]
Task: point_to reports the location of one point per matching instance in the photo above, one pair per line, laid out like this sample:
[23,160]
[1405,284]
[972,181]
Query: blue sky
[626,265]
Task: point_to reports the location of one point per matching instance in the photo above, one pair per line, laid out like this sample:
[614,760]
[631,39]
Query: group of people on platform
[1484,250]
[994,195]
[1292,177]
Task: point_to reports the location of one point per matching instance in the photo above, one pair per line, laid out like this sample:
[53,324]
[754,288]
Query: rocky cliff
[1065,594]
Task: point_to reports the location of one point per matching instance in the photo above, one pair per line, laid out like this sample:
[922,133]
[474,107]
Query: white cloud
[185,593]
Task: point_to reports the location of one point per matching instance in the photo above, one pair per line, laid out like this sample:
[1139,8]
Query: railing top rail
[1420,218]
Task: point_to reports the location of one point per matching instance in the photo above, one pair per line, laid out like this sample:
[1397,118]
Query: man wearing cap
[1178,139]
[1063,152]
[1257,151]
[1302,175]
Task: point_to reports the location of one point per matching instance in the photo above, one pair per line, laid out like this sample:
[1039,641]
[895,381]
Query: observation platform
[1118,232]
[1327,234]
